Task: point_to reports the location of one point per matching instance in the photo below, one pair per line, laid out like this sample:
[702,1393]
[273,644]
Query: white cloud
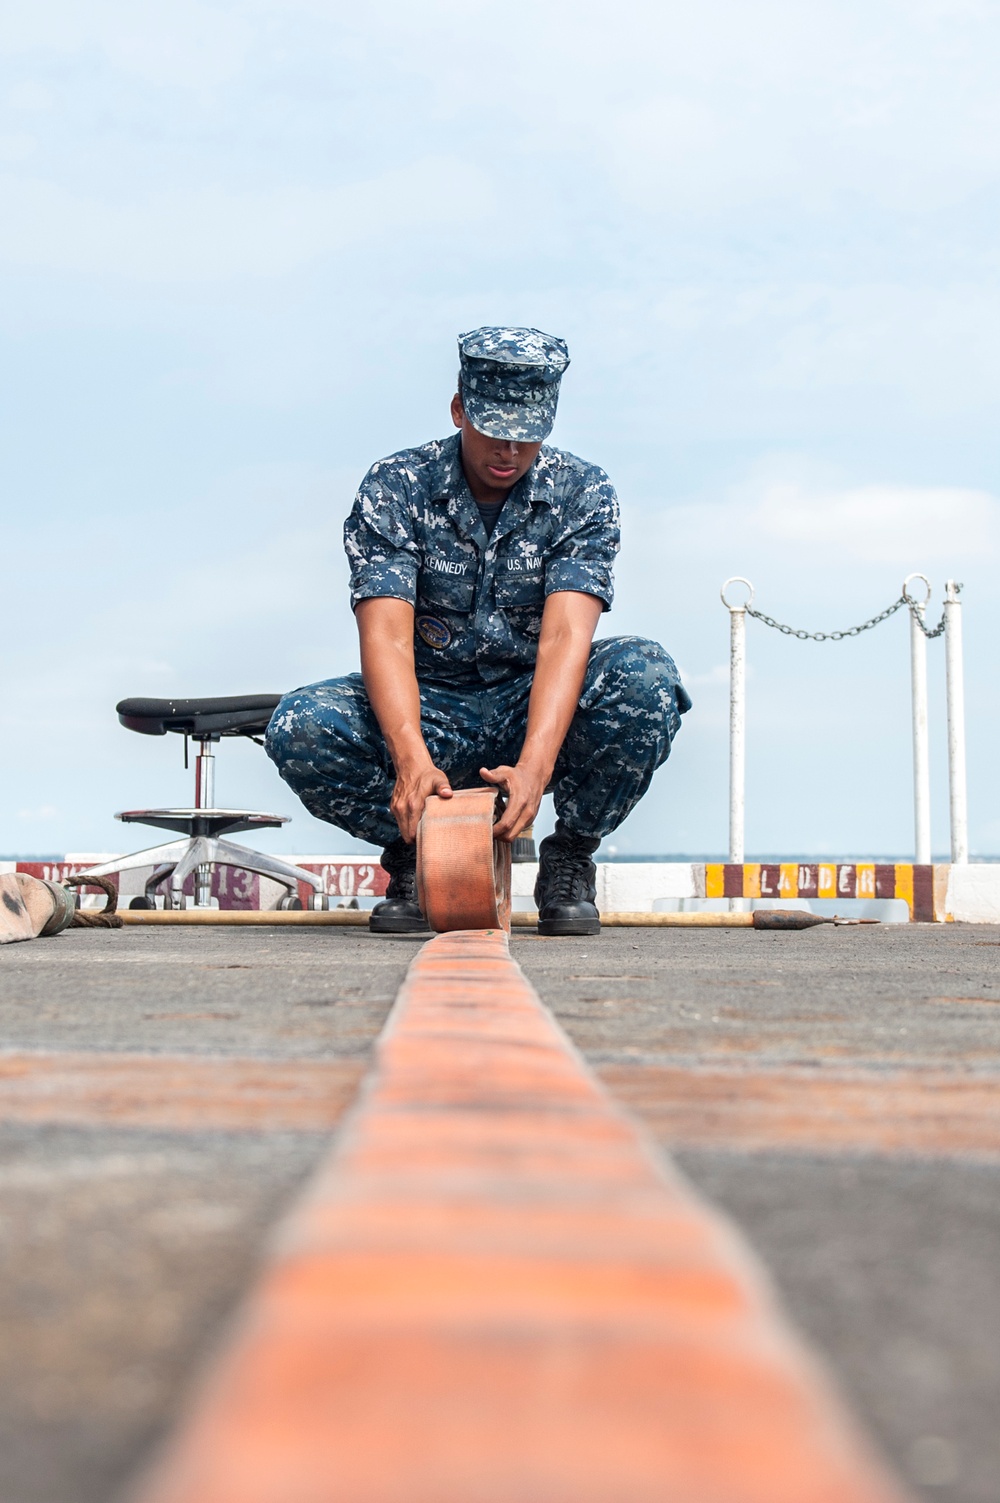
[692,108]
[906,527]
[821,106]
[884,523]
[715,676]
[820,556]
[181,42]
[30,96]
[16,146]
[216,233]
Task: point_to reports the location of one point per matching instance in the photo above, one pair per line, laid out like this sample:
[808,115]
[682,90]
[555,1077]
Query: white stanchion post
[921,752]
[737,734]
[737,719]
[957,794]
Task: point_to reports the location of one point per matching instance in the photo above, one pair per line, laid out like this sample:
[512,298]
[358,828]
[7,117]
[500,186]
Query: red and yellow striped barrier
[916,885]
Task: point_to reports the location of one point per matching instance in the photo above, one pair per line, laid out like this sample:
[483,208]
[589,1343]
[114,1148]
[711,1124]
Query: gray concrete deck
[834,1091]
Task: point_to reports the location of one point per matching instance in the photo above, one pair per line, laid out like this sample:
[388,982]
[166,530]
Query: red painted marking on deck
[494,1293]
[935,1113]
[180,1092]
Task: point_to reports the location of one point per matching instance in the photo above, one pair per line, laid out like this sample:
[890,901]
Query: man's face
[492,465]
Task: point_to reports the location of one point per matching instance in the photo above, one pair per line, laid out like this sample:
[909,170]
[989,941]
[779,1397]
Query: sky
[238,242]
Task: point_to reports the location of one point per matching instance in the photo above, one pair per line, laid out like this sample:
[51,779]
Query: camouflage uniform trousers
[327,745]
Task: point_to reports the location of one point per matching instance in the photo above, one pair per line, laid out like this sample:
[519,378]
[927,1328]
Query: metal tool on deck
[463,874]
[797,918]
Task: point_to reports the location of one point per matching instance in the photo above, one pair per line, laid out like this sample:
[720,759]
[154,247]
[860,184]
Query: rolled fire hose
[463,874]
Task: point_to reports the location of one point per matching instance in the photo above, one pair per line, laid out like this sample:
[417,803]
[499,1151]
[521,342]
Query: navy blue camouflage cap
[510,381]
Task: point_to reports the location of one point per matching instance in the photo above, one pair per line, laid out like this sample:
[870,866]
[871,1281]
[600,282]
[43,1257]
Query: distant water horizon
[622,858]
[775,858]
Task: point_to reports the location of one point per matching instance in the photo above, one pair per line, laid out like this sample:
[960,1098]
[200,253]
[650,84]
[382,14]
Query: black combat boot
[399,911]
[566,886]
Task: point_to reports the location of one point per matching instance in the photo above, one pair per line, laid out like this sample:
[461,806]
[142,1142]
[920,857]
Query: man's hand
[524,787]
[413,788]
[568,623]
[385,626]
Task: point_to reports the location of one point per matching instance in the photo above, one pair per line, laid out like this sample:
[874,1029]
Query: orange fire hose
[463,874]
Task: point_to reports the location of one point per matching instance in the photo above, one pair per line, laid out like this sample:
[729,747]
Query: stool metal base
[175,862]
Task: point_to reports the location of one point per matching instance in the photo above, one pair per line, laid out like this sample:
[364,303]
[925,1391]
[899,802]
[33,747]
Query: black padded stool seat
[239,715]
[168,867]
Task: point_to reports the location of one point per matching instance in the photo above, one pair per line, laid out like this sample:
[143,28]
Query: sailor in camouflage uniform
[480,565]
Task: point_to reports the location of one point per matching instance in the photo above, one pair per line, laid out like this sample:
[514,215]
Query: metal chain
[930,635]
[852,631]
[827,636]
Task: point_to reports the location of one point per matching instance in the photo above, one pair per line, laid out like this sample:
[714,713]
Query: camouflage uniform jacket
[415,534]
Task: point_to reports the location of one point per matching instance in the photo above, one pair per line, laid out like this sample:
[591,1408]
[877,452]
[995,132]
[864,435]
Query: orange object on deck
[463,874]
[497,1292]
